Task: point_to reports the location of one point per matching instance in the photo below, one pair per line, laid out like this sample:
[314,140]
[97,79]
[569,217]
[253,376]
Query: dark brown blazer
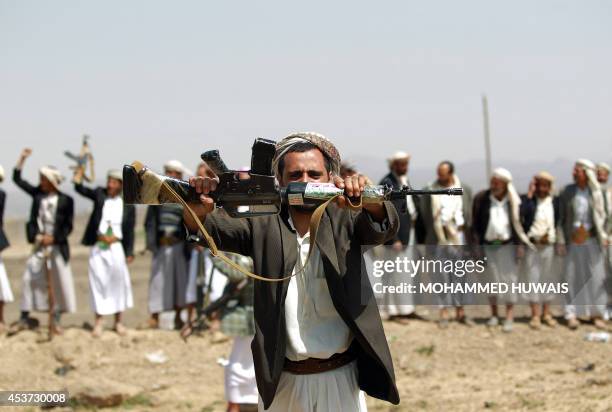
[272,244]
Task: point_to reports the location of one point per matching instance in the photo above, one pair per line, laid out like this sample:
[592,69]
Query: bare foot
[535,323]
[120,329]
[54,330]
[549,321]
[97,331]
[573,323]
[149,324]
[186,331]
[599,324]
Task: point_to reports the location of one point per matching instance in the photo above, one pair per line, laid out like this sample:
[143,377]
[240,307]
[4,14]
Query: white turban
[515,203]
[596,191]
[177,166]
[398,156]
[53,175]
[604,166]
[1,173]
[115,174]
[589,169]
[503,174]
[545,176]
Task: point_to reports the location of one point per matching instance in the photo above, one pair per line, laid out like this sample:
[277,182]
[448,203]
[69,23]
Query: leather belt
[101,239]
[543,241]
[498,242]
[314,365]
[168,241]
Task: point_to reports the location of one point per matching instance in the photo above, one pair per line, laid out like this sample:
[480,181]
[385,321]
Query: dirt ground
[458,368]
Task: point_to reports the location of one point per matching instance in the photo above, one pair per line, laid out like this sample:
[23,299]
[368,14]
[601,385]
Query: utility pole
[487,136]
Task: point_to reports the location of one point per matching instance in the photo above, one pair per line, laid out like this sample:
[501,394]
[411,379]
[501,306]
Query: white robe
[168,283]
[34,295]
[586,274]
[240,383]
[543,267]
[502,267]
[6,294]
[336,390]
[109,280]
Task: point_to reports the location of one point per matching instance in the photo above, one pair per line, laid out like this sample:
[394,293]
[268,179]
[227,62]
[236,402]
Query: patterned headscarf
[320,141]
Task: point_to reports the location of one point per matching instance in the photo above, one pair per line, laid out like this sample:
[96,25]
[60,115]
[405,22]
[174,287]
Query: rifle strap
[315,220]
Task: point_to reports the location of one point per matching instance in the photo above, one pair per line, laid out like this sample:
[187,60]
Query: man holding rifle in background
[110,234]
[47,282]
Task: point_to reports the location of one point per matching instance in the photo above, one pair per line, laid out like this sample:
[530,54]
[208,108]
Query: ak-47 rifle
[259,195]
[83,159]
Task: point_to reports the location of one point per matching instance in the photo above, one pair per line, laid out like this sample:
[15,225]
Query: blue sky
[153,80]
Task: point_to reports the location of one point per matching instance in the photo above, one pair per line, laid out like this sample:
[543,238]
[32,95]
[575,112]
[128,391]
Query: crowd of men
[539,236]
[555,236]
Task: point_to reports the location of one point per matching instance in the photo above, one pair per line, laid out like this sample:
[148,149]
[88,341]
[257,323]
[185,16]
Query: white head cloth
[1,173]
[596,191]
[177,166]
[53,175]
[515,203]
[604,166]
[115,174]
[398,156]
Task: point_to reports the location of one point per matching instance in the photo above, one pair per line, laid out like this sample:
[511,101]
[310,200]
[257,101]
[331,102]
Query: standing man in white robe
[442,227]
[539,215]
[110,233]
[582,238]
[48,228]
[395,307]
[498,229]
[6,295]
[166,239]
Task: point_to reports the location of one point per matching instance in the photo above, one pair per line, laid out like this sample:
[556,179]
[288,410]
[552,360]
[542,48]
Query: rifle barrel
[452,191]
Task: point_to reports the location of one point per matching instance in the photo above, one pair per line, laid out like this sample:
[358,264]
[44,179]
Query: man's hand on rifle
[79,173]
[353,187]
[204,186]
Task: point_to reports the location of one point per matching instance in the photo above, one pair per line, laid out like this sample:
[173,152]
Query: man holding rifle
[318,335]
[47,282]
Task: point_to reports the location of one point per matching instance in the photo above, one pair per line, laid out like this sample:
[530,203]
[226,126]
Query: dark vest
[99,196]
[63,216]
[4,243]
